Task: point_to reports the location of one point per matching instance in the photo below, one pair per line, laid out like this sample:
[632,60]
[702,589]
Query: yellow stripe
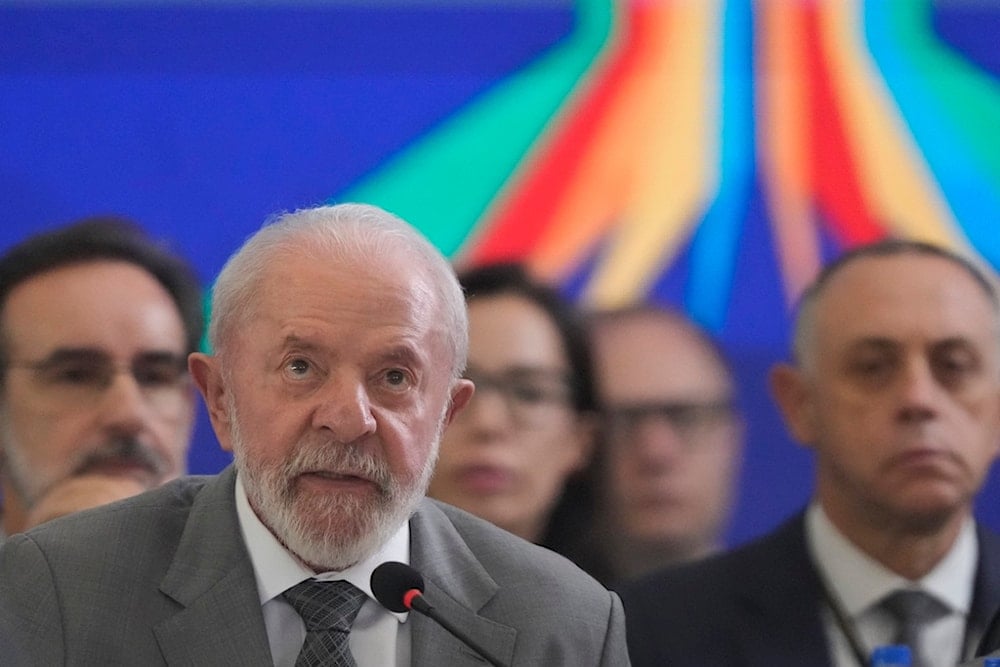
[673,171]
[892,170]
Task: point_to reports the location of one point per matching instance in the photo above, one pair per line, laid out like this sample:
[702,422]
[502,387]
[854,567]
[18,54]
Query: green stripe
[966,94]
[444,181]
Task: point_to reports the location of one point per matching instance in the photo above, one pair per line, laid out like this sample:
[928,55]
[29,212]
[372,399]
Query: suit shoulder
[561,614]
[157,515]
[718,577]
[515,562]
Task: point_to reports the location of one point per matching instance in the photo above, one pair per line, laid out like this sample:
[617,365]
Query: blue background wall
[202,119]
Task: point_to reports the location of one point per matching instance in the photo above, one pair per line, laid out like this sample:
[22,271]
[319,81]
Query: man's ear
[791,391]
[461,392]
[207,377]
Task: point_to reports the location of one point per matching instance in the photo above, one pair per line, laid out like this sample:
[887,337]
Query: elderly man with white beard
[339,337]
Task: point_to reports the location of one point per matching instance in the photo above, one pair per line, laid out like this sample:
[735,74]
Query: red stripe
[834,171]
[519,221]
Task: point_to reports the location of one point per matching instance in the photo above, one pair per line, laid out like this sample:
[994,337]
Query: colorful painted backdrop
[705,154]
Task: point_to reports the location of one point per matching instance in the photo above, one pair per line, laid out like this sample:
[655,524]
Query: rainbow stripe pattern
[654,135]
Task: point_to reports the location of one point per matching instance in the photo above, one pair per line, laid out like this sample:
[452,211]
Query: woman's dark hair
[512,278]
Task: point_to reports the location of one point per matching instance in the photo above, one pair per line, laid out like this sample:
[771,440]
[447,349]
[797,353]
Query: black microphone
[398,587]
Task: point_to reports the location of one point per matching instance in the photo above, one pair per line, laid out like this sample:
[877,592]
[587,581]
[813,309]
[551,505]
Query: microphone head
[391,581]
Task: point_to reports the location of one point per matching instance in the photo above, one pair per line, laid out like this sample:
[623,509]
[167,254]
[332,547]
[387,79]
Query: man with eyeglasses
[673,439]
[96,322]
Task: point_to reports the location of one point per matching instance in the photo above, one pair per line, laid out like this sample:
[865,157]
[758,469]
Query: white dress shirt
[860,583]
[379,638]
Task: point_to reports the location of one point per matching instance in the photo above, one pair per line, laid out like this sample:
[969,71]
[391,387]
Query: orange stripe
[783,142]
[674,172]
[595,194]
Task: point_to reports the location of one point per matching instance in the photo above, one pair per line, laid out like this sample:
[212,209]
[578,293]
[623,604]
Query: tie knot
[326,605]
[913,606]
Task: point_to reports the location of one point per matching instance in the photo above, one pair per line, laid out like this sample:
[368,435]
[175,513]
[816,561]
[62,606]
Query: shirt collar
[861,582]
[276,569]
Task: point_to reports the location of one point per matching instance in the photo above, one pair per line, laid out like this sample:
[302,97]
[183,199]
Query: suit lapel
[459,587]
[211,577]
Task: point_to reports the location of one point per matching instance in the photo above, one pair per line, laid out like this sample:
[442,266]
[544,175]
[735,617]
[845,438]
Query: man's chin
[350,532]
[333,546]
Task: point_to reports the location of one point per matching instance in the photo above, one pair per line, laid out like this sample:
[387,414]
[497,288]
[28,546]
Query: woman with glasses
[530,426]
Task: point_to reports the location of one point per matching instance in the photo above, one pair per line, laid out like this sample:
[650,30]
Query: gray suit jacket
[165,579]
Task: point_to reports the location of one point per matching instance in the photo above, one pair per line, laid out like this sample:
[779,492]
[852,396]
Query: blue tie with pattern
[328,609]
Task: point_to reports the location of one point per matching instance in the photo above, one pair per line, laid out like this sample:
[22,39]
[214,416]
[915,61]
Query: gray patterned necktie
[328,609]
[913,612]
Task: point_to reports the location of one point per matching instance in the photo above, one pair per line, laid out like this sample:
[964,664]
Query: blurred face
[96,381]
[333,399]
[507,456]
[898,393]
[673,443]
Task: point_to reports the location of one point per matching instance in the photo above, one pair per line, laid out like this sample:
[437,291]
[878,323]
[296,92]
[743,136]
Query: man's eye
[298,367]
[76,374]
[952,369]
[685,416]
[528,393]
[870,366]
[157,375]
[396,377]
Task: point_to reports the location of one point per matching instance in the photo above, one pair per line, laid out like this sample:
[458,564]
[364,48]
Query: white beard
[334,531]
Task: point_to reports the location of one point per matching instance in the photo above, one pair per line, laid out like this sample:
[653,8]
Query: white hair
[348,233]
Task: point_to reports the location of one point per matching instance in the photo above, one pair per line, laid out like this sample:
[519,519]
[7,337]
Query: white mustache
[339,459]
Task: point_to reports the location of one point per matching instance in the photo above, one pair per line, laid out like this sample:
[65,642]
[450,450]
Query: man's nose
[658,441]
[345,409]
[124,405]
[919,390]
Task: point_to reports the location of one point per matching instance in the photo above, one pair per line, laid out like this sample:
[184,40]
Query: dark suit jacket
[990,645]
[756,606]
[165,579]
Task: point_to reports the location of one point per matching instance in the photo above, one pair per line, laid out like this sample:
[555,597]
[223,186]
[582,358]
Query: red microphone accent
[409,596]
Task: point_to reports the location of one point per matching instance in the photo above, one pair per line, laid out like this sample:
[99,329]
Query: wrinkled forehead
[388,293]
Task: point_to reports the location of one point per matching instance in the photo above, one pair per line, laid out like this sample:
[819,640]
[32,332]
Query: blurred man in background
[668,468]
[96,322]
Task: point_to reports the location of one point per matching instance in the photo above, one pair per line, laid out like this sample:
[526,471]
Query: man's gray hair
[340,233]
